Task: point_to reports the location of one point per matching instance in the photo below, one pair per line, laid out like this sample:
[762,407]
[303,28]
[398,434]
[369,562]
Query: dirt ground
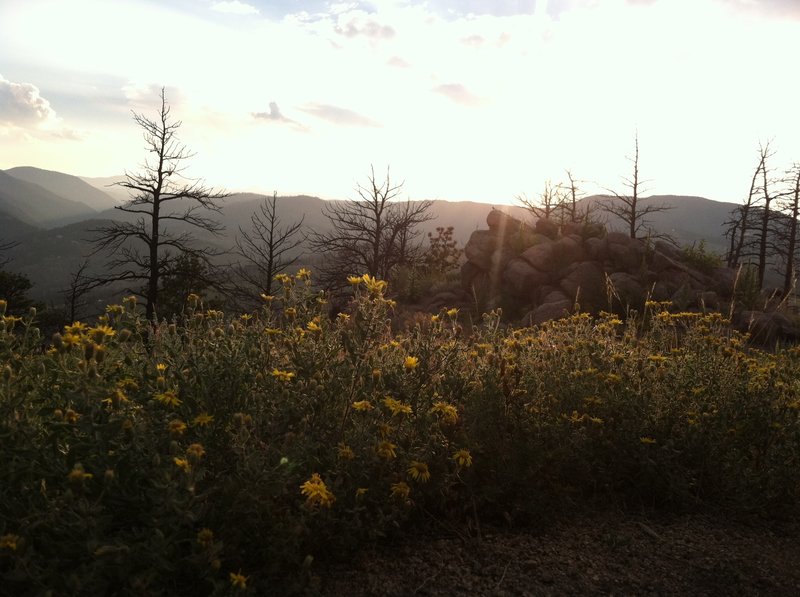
[590,554]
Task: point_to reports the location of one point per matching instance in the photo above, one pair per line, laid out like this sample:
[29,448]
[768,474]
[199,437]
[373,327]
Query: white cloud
[22,105]
[458,93]
[234,7]
[337,115]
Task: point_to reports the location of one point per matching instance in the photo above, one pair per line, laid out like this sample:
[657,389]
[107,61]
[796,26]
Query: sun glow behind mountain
[464,100]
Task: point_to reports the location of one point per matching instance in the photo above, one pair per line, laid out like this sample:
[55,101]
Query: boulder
[480,247]
[724,281]
[469,271]
[547,227]
[570,228]
[766,329]
[499,221]
[540,256]
[626,256]
[567,249]
[709,299]
[628,290]
[668,249]
[596,249]
[548,311]
[522,279]
[585,281]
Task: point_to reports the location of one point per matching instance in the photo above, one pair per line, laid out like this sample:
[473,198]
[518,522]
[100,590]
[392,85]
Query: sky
[480,100]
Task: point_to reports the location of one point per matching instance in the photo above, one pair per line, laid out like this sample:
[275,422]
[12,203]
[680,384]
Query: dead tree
[765,209]
[373,234]
[546,205]
[627,207]
[266,250]
[787,239]
[162,202]
[79,285]
[739,228]
[6,246]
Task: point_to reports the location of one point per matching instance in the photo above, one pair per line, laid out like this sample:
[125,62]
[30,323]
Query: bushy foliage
[223,455]
[700,258]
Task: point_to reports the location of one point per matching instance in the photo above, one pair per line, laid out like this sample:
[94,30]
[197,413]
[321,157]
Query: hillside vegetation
[228,454]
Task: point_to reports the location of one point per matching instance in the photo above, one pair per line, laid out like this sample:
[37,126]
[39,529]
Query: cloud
[275,115]
[475,41]
[21,104]
[23,107]
[780,8]
[397,62]
[339,115]
[234,7]
[458,93]
[369,29]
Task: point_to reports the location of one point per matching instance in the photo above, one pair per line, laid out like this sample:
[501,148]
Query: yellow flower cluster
[418,471]
[397,407]
[316,492]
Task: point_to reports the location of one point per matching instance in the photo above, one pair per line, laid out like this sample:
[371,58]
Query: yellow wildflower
[419,471]
[354,280]
[463,458]
[448,412]
[100,332]
[373,285]
[182,464]
[76,328]
[396,406]
[205,537]
[363,405]
[168,398]
[282,375]
[9,541]
[316,492]
[272,331]
[386,450]
[400,490]
[176,427]
[238,580]
[313,326]
[303,274]
[195,452]
[290,312]
[267,298]
[647,440]
[77,474]
[361,492]
[411,363]
[452,312]
[435,318]
[345,452]
[202,419]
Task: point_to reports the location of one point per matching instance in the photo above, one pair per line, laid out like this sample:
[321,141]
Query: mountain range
[51,216]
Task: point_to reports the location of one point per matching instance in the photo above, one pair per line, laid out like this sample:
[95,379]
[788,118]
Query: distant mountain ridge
[66,186]
[54,232]
[35,205]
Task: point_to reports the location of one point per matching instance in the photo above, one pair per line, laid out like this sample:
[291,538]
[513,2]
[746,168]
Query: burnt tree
[164,210]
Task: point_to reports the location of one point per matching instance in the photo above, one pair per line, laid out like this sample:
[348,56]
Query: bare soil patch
[590,554]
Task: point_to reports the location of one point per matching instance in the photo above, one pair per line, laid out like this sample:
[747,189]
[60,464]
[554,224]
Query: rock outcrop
[550,269]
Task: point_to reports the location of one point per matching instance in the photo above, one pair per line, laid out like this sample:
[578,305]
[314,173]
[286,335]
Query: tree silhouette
[166,207]
[373,234]
[266,250]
